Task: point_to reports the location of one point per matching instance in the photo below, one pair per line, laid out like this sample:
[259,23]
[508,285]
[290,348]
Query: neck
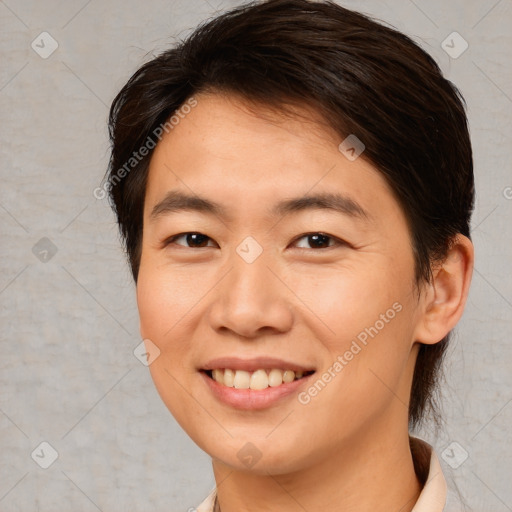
[372,473]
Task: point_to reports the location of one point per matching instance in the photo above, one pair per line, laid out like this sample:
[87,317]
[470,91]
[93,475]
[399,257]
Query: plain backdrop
[69,324]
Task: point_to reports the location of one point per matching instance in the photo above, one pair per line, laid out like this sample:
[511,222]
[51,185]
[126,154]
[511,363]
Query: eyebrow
[176,201]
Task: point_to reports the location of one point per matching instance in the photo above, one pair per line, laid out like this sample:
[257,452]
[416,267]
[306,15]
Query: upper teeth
[260,379]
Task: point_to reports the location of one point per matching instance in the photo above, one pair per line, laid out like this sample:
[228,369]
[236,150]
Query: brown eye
[191,240]
[317,241]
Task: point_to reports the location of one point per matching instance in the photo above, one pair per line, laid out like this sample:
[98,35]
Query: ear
[442,300]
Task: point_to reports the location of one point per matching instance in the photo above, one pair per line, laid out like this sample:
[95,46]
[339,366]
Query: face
[271,261]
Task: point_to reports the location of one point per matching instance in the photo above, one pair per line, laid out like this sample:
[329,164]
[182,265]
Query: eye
[308,241]
[192,240]
[318,241]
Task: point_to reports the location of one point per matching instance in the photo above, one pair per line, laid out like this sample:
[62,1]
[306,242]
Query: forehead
[245,158]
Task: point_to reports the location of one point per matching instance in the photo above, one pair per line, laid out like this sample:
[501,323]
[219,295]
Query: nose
[251,301]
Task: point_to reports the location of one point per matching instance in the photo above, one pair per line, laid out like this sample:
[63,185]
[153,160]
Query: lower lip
[252,399]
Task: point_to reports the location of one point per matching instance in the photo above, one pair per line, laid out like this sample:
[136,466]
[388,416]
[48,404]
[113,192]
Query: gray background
[69,325]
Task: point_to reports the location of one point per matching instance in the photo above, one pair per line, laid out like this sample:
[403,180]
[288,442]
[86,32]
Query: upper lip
[253,364]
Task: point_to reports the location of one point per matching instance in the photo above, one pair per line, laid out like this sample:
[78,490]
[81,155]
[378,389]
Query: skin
[348,448]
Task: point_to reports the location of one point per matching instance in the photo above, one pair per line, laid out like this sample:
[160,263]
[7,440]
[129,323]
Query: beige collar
[433,494]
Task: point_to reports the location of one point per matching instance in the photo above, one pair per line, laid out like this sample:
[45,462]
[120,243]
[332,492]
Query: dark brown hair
[361,77]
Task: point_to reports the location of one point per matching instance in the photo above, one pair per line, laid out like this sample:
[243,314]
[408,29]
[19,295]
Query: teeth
[229,377]
[260,379]
[218,375]
[242,380]
[288,376]
[275,378]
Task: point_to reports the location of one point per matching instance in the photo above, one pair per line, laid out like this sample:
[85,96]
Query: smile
[256,380]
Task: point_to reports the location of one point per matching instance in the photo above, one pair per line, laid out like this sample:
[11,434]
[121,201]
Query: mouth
[257,389]
[254,383]
[257,380]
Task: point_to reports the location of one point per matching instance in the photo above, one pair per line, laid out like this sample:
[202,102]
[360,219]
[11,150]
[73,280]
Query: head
[278,120]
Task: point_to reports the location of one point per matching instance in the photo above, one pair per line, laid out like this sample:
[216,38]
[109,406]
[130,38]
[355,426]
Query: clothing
[434,491]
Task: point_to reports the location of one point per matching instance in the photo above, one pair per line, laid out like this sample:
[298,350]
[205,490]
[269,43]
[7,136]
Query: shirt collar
[432,497]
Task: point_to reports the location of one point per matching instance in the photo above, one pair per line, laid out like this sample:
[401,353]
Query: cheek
[163,299]
[364,318]
[151,303]
[363,374]
[163,302]
[345,300]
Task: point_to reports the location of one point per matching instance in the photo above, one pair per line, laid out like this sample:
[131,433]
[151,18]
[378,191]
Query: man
[294,186]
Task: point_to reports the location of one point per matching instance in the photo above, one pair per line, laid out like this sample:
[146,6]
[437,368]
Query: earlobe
[443,300]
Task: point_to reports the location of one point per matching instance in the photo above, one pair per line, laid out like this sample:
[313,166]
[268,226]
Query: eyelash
[337,241]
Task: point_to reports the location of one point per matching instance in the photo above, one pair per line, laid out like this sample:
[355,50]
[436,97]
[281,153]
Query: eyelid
[337,241]
[171,239]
